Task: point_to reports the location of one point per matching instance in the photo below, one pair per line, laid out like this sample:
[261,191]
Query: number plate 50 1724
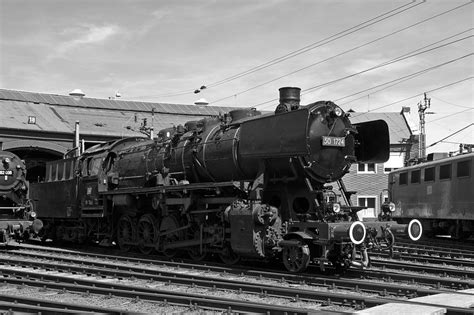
[333,141]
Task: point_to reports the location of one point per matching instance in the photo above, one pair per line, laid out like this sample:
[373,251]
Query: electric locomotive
[244,185]
[437,192]
[17,218]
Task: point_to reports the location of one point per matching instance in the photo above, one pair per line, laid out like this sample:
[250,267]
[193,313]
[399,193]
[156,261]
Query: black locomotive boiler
[17,221]
[243,185]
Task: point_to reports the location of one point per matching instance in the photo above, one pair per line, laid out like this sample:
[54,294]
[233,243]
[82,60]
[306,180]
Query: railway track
[325,291]
[446,244]
[454,251]
[421,257]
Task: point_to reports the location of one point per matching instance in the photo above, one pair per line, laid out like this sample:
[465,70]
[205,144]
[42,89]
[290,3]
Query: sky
[365,55]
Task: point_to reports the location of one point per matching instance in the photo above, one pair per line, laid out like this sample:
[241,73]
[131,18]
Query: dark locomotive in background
[16,211]
[244,185]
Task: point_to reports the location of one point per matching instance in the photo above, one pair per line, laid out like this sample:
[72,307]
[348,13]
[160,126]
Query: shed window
[403,179]
[445,171]
[367,168]
[415,176]
[464,169]
[429,174]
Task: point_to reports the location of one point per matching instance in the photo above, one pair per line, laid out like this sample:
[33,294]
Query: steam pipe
[76,138]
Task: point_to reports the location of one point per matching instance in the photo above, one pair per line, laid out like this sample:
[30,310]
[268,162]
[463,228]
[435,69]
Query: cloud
[83,36]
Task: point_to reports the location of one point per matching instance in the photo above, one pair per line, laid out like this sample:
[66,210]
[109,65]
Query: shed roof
[112,104]
[113,118]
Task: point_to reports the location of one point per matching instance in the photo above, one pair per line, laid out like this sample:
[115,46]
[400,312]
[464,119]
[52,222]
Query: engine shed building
[40,127]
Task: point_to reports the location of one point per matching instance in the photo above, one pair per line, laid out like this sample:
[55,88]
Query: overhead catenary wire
[450,103]
[453,114]
[383,64]
[348,51]
[305,91]
[319,43]
[420,94]
[449,136]
[291,54]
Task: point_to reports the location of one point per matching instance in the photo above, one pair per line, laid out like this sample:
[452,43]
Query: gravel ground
[122,304]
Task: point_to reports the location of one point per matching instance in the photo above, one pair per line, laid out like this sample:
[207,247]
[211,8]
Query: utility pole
[422,107]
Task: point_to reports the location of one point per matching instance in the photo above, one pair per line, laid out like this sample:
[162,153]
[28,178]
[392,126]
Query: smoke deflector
[372,142]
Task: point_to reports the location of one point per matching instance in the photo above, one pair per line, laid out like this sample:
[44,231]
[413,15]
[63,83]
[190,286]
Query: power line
[350,50]
[417,95]
[397,81]
[435,143]
[437,98]
[463,111]
[316,45]
[319,43]
[383,65]
[378,66]
[306,48]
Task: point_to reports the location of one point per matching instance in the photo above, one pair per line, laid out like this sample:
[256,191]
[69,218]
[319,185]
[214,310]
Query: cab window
[403,180]
[445,171]
[415,176]
[85,167]
[94,166]
[429,174]
[464,169]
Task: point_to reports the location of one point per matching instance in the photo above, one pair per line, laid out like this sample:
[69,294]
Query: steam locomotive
[17,218]
[244,185]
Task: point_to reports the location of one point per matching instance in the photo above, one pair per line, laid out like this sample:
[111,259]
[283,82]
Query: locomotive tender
[16,213]
[243,185]
[438,192]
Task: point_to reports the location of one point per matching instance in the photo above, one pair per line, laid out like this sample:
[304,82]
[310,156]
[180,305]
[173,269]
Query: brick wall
[366,184]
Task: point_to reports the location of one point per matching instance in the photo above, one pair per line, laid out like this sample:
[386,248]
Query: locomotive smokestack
[289,99]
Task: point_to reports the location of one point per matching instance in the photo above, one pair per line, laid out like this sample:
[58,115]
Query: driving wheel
[126,231]
[147,233]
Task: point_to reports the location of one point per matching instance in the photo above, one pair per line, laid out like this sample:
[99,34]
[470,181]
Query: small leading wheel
[126,231]
[228,256]
[296,257]
[195,253]
[147,233]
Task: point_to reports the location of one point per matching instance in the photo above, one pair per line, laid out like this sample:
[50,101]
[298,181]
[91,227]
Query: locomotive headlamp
[6,160]
[18,166]
[337,111]
[388,206]
[336,207]
[33,214]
